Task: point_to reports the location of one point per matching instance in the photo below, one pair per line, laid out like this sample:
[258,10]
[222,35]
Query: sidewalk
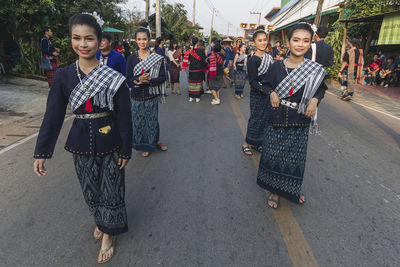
[386,100]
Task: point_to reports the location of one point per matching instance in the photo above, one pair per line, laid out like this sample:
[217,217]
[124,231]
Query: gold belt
[92,116]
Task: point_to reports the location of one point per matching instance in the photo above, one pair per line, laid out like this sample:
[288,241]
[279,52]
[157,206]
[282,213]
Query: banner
[390,30]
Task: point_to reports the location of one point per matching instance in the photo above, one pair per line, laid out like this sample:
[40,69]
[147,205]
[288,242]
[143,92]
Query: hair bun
[260,27]
[144,24]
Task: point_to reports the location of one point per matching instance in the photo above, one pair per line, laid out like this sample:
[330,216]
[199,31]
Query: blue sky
[231,12]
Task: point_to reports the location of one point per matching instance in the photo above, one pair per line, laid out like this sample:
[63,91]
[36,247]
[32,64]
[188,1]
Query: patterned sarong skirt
[216,83]
[283,161]
[258,118]
[240,80]
[146,128]
[195,88]
[103,187]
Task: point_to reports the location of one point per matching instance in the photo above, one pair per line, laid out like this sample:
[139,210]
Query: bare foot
[97,234]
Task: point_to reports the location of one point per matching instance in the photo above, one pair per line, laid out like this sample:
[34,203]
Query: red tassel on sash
[88,106]
[291,91]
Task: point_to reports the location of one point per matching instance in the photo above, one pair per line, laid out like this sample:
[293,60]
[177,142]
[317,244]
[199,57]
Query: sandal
[102,252]
[162,147]
[247,150]
[96,234]
[145,154]
[304,200]
[273,200]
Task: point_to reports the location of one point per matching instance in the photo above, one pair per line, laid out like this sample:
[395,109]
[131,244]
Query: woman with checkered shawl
[146,77]
[101,133]
[294,87]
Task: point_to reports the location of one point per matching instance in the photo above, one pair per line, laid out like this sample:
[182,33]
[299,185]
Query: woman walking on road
[146,77]
[216,72]
[295,87]
[174,55]
[195,57]
[257,67]
[240,66]
[101,134]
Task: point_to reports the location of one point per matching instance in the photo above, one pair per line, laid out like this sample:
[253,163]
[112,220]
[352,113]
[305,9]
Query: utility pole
[212,24]
[194,12]
[158,19]
[317,19]
[229,25]
[147,10]
[259,16]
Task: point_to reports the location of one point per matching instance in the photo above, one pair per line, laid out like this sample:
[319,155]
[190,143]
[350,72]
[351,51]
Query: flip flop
[162,147]
[145,155]
[247,149]
[273,200]
[102,252]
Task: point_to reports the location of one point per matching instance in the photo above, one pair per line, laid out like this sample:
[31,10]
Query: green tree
[175,16]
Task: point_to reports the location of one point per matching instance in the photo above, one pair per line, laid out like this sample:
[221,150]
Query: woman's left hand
[122,163]
[311,108]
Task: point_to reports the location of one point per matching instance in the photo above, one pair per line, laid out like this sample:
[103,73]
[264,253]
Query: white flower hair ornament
[313,27]
[97,17]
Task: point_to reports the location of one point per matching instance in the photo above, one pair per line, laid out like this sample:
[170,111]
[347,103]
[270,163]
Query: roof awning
[306,18]
[109,29]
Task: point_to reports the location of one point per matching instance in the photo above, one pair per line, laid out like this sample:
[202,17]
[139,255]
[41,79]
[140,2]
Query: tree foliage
[24,20]
[175,16]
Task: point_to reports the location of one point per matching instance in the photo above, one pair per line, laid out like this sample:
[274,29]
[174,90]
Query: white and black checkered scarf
[308,73]
[266,61]
[152,64]
[104,82]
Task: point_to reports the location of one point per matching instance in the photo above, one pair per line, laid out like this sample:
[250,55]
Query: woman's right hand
[38,167]
[274,98]
[144,78]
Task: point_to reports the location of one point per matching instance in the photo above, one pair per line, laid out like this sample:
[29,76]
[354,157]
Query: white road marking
[26,139]
[376,110]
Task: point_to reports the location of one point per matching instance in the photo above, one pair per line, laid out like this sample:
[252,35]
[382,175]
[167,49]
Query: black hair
[195,40]
[240,46]
[269,44]
[107,36]
[143,28]
[45,29]
[259,30]
[300,26]
[355,43]
[171,45]
[322,31]
[85,19]
[214,40]
[217,47]
[392,58]
[158,41]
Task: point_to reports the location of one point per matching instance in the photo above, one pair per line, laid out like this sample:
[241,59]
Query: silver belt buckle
[289,104]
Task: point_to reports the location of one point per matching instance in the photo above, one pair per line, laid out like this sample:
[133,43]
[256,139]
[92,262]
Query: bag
[46,64]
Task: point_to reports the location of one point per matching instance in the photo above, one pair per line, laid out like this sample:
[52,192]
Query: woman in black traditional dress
[195,57]
[101,134]
[257,67]
[146,76]
[295,87]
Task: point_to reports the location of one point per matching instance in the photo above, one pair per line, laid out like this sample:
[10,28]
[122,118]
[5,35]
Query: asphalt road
[198,203]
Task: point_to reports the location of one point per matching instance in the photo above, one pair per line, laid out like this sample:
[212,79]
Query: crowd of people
[115,99]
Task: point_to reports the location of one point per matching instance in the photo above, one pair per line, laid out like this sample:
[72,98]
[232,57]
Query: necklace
[291,80]
[88,106]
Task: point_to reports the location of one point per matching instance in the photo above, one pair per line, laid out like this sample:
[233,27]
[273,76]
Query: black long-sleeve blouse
[84,137]
[141,92]
[252,68]
[284,116]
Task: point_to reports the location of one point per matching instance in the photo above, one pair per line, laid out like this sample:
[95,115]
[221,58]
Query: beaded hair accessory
[96,16]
